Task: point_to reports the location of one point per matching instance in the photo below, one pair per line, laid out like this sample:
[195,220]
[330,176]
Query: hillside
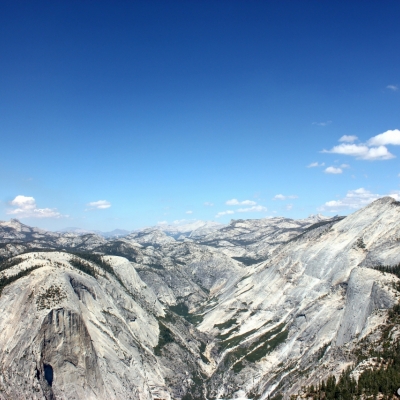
[252,309]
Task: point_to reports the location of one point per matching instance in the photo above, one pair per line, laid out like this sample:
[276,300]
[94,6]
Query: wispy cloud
[222,213]
[348,138]
[315,164]
[392,87]
[99,205]
[322,123]
[25,207]
[236,202]
[333,170]
[361,151]
[208,204]
[189,212]
[354,200]
[283,197]
[252,209]
[289,207]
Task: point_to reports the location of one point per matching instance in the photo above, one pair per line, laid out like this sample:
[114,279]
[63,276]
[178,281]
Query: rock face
[244,310]
[94,335]
[312,293]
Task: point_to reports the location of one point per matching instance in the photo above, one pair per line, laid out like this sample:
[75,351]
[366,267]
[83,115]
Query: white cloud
[344,166]
[252,209]
[361,151]
[392,87]
[348,138]
[222,213]
[25,207]
[289,207]
[99,205]
[395,194]
[283,197]
[322,123]
[315,164]
[378,153]
[353,200]
[162,223]
[236,202]
[208,204]
[333,170]
[374,149]
[189,212]
[388,137]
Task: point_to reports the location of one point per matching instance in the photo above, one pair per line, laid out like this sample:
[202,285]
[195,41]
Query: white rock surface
[97,336]
[278,298]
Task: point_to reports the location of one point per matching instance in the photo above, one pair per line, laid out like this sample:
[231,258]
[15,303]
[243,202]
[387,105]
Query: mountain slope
[314,294]
[195,319]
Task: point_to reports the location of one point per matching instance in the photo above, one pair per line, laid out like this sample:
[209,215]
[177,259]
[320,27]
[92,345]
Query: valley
[253,309]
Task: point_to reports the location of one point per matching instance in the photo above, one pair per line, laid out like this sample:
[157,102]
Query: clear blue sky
[158,107]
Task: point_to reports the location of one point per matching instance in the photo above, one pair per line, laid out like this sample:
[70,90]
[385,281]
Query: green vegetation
[82,266]
[226,324]
[229,333]
[98,260]
[183,310]
[165,337]
[180,309]
[4,281]
[321,352]
[322,223]
[155,266]
[268,345]
[10,263]
[315,226]
[234,341]
[119,248]
[196,390]
[247,260]
[381,379]
[395,269]
[52,296]
[360,243]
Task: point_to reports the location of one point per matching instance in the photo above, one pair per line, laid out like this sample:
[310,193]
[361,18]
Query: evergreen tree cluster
[4,281]
[96,259]
[83,266]
[381,380]
[395,269]
[9,263]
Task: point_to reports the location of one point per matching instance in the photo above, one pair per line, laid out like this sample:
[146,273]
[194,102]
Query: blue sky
[126,114]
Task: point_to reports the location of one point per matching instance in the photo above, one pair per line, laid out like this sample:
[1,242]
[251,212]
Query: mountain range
[253,309]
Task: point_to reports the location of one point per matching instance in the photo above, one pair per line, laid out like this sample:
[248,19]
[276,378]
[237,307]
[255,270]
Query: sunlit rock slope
[252,309]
